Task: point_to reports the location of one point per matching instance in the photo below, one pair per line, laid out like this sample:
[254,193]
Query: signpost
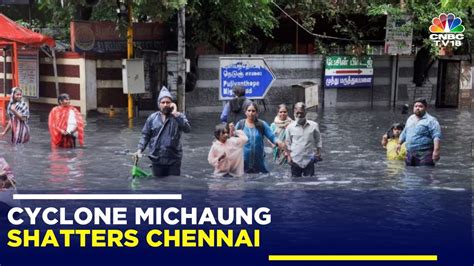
[398,36]
[28,72]
[251,73]
[398,41]
[348,72]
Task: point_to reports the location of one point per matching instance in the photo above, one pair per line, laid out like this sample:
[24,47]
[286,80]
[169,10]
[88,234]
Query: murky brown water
[353,158]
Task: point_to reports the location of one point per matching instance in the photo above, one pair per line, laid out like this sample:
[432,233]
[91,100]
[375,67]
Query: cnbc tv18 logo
[447,30]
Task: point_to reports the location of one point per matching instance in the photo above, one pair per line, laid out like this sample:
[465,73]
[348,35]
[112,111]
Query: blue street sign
[348,81]
[251,73]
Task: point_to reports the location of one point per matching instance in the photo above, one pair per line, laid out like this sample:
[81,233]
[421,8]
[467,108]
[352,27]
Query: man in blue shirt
[422,135]
[234,110]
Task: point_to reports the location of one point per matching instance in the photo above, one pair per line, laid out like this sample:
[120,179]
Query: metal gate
[448,83]
[155,77]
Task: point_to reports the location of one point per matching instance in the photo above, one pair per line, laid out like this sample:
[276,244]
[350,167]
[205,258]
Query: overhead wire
[315,34]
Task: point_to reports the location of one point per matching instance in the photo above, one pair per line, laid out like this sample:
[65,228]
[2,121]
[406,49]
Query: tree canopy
[241,25]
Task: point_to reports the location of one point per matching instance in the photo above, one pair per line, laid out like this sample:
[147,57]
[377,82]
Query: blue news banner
[240,228]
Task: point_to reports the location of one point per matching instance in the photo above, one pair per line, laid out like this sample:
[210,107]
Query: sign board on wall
[251,73]
[102,36]
[398,36]
[348,72]
[28,72]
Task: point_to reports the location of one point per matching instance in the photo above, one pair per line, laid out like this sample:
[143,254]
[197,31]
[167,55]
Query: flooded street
[90,64]
[353,158]
[357,198]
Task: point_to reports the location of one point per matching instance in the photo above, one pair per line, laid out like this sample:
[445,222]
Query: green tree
[230,23]
[424,11]
[243,26]
[227,24]
[333,22]
[356,21]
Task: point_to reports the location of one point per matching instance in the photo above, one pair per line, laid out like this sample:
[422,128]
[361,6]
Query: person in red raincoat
[65,124]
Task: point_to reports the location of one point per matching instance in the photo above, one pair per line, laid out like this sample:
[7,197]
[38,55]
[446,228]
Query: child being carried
[390,141]
[226,154]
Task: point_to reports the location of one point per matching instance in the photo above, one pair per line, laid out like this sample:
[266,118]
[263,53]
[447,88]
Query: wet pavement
[353,157]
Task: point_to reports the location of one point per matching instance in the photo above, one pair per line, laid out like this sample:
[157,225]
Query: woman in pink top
[227,154]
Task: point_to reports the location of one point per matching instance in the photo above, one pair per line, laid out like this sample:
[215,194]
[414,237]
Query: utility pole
[130,52]
[4,72]
[296,31]
[181,80]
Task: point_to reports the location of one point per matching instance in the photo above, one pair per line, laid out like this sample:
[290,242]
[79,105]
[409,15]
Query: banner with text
[348,72]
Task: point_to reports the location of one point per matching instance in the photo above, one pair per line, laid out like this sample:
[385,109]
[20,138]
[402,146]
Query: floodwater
[356,197]
[352,156]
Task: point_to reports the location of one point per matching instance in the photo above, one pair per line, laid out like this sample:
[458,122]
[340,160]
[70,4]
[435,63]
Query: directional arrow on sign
[355,71]
[251,73]
[348,71]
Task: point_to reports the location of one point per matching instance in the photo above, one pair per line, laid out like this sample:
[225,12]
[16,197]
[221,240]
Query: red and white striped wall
[92,83]
[8,71]
[71,78]
[109,84]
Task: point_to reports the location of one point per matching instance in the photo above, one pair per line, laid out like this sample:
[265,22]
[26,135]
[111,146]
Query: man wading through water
[422,135]
[162,135]
[234,110]
[304,143]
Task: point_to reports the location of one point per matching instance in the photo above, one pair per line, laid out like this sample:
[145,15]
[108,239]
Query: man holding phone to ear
[162,134]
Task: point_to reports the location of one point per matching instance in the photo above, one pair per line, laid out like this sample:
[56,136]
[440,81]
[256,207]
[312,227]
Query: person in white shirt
[304,143]
[65,124]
